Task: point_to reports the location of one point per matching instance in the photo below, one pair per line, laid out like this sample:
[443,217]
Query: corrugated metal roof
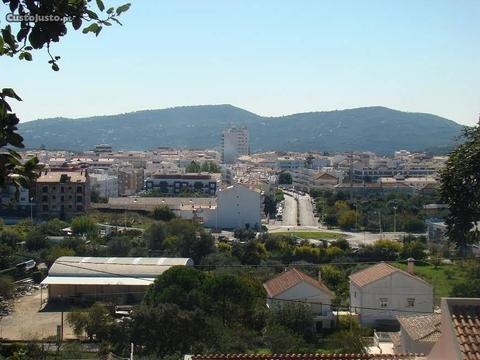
[73,266]
[89,280]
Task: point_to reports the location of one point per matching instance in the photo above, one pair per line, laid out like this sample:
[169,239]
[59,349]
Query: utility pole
[380,223]
[31,209]
[356,216]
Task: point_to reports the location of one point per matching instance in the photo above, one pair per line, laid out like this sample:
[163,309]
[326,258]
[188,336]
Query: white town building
[234,144]
[104,185]
[381,292]
[238,206]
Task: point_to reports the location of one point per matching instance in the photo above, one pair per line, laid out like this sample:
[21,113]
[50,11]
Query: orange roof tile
[377,272]
[466,322]
[289,279]
[308,357]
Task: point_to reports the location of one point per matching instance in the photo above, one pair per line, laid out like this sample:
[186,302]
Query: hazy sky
[271,57]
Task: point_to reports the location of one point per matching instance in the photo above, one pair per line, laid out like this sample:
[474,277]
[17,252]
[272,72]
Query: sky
[271,57]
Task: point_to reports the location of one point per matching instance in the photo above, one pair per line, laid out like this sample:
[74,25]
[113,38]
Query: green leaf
[111,10]
[98,31]
[92,14]
[55,67]
[76,23]
[1,42]
[100,5]
[123,8]
[8,92]
[91,28]
[26,55]
[8,37]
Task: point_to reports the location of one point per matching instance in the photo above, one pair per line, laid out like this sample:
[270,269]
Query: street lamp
[394,218]
[31,209]
[380,223]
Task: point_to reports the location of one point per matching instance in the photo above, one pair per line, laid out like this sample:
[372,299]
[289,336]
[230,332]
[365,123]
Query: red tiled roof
[308,357]
[289,279]
[466,322]
[377,272]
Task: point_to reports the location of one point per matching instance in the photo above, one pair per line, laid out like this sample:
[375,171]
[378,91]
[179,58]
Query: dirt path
[28,322]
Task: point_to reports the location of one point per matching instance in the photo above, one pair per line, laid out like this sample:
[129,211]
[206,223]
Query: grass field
[309,234]
[443,278]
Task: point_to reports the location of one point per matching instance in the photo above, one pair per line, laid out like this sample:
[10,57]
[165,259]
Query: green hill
[377,129]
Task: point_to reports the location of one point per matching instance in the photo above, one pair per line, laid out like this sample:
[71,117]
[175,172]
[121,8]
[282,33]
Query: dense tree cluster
[206,166]
[461,190]
[374,212]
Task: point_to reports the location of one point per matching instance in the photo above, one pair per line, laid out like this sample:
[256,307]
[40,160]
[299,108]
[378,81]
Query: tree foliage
[460,188]
[26,36]
[285,178]
[163,213]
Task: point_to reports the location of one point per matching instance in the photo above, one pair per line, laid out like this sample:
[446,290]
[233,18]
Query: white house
[294,285]
[237,207]
[381,292]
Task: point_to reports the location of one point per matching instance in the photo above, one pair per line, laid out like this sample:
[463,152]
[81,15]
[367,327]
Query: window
[355,294]
[44,189]
[53,197]
[62,198]
[79,198]
[62,189]
[79,189]
[45,207]
[79,208]
[383,302]
[44,198]
[410,302]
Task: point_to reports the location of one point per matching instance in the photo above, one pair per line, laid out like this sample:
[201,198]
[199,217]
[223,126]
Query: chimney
[410,265]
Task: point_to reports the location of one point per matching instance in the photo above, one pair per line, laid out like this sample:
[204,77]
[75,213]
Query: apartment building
[130,181]
[62,193]
[235,143]
[103,184]
[176,183]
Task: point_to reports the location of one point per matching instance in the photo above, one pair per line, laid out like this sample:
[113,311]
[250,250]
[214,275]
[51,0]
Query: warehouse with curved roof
[119,280]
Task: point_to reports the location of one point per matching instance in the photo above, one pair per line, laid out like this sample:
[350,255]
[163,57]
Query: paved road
[306,211]
[290,211]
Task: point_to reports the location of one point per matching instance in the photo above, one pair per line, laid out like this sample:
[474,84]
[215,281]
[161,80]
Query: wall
[237,206]
[308,293]
[396,287]
[114,293]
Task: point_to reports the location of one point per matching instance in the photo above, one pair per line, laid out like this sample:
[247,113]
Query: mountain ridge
[374,128]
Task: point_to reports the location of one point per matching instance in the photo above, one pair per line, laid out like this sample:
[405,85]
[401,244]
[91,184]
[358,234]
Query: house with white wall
[381,292]
[295,286]
[238,206]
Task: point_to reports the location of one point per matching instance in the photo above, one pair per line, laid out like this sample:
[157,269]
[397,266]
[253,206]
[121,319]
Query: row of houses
[378,294]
